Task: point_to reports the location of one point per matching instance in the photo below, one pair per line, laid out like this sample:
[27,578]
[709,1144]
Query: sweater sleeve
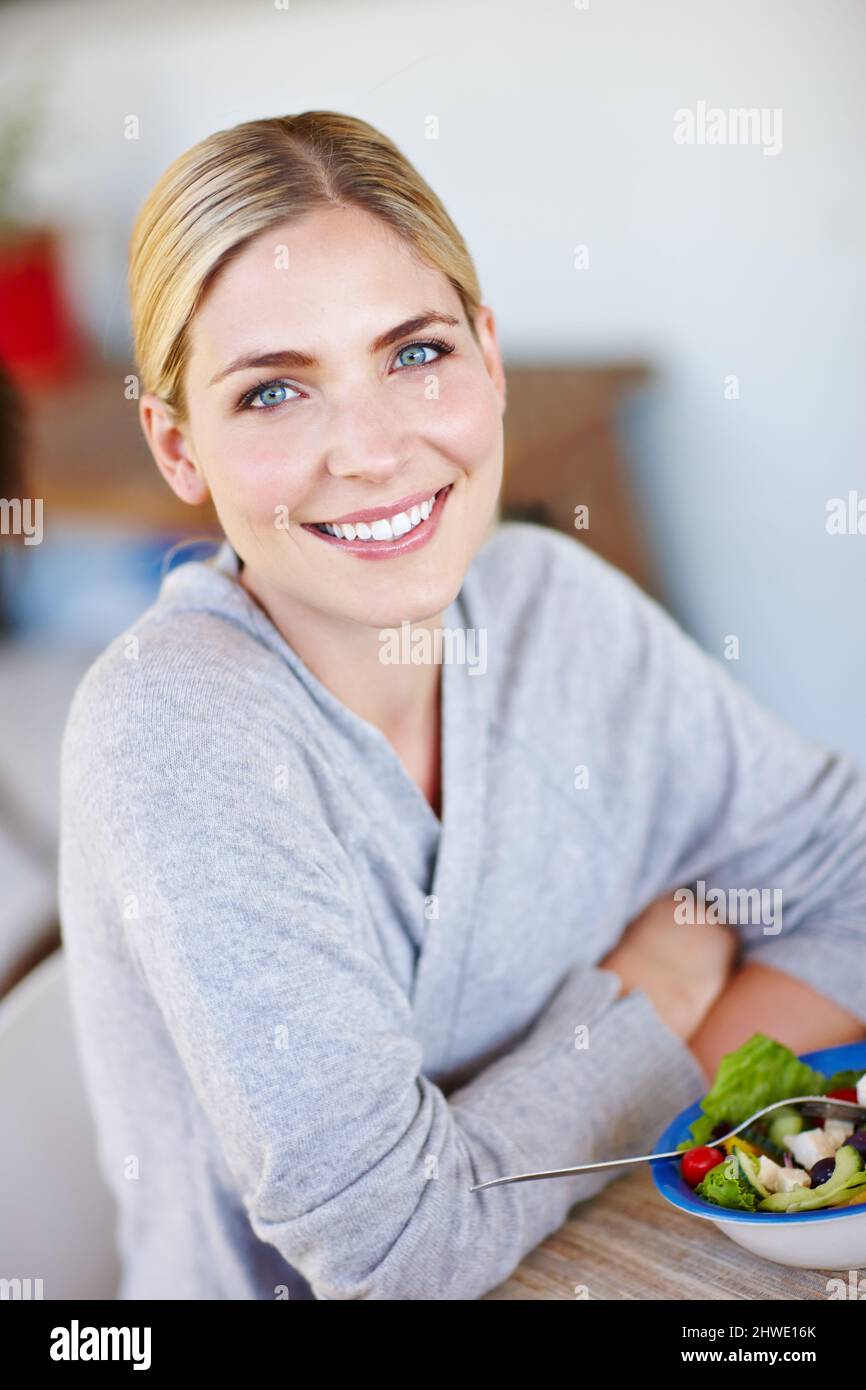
[718,796]
[298,1043]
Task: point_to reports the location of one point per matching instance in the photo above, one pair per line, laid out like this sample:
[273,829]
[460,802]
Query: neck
[400,699]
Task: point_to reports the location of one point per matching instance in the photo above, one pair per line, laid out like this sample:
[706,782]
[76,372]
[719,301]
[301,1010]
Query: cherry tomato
[698,1162]
[844,1093]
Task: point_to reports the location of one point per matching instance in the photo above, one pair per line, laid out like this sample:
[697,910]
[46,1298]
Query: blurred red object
[39,341]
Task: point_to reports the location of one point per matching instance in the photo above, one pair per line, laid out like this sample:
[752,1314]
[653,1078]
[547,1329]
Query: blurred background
[682,320]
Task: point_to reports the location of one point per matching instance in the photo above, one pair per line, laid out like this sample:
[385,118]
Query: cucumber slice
[787,1121]
[749,1169]
[848,1165]
[753,1134]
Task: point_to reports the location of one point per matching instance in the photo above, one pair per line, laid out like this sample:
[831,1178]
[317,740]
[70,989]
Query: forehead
[340,274]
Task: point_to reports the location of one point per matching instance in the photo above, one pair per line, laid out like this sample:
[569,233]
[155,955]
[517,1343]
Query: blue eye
[435,344]
[277,390]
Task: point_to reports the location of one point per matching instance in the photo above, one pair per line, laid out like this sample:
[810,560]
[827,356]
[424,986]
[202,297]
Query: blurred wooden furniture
[563,449]
[87,457]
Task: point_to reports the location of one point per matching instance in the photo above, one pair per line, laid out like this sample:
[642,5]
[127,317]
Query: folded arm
[729,800]
[761,999]
[714,1003]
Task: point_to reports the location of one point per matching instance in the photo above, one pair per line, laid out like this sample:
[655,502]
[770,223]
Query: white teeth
[383,528]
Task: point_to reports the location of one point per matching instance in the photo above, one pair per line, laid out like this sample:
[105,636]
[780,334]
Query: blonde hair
[237,183]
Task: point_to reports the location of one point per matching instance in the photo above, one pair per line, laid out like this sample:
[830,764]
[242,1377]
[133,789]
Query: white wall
[556,128]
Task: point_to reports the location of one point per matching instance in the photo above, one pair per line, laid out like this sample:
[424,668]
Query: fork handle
[581,1168]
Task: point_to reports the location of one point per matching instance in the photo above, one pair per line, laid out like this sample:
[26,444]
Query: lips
[382,523]
[386,509]
[381,532]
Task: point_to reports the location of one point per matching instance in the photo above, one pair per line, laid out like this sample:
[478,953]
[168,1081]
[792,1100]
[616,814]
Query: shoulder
[166,665]
[575,643]
[547,589]
[186,706]
[523,563]
[528,551]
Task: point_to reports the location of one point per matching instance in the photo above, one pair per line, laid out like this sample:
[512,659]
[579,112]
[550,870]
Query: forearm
[758,999]
[681,969]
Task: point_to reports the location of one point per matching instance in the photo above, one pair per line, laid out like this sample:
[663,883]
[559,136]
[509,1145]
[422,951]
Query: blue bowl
[832,1238]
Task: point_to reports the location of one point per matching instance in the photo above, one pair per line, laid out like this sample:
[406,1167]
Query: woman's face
[314,399]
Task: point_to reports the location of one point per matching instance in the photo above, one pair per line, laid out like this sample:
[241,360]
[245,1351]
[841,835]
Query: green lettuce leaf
[757,1074]
[725,1191]
[843,1080]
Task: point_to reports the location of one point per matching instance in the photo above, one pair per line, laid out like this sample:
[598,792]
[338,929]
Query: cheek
[254,474]
[466,421]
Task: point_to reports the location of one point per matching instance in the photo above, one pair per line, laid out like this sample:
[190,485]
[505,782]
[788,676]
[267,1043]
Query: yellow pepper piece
[738,1143]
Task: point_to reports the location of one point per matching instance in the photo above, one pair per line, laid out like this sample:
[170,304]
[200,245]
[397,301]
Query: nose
[365,442]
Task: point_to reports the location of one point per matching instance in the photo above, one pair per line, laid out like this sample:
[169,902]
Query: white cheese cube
[790,1177]
[808,1146]
[837,1131]
[861,1090]
[768,1173]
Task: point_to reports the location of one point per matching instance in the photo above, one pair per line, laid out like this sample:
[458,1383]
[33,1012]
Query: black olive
[821,1171]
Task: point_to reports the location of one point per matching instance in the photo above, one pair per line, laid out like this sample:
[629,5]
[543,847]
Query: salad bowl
[833,1237]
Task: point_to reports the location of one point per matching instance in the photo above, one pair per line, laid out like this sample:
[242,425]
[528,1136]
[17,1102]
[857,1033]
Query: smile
[393,531]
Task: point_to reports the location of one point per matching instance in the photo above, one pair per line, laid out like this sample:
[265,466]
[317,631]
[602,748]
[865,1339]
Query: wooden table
[629,1243]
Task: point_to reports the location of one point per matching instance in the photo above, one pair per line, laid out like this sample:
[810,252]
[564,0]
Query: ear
[170,446]
[485,325]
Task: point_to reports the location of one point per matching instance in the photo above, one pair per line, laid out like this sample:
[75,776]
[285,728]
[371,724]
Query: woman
[347,924]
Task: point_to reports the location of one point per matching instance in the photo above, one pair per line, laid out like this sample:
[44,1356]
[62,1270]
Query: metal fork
[812,1105]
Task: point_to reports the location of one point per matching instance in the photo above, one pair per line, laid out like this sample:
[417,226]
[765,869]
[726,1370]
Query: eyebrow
[292,357]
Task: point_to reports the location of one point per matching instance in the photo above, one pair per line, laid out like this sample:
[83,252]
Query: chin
[413,603]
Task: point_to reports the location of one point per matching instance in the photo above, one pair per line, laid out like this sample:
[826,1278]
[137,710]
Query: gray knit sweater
[310,1015]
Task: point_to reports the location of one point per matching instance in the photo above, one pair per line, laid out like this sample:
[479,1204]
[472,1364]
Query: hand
[682,968]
